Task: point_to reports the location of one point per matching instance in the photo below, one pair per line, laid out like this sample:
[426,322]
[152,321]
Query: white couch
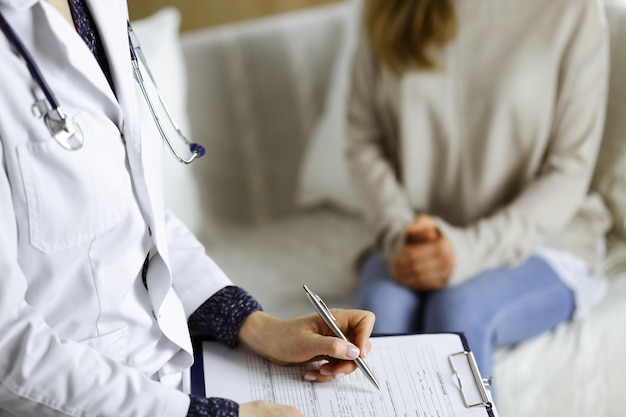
[256,93]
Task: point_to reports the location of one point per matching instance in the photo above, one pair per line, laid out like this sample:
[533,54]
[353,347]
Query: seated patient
[473,130]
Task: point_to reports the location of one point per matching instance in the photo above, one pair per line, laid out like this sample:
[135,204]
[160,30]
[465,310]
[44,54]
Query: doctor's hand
[425,261]
[267,409]
[308,338]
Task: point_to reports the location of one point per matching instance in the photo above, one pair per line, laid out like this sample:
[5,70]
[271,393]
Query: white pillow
[158,36]
[324,177]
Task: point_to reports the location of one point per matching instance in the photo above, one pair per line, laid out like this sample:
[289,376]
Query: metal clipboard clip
[480,382]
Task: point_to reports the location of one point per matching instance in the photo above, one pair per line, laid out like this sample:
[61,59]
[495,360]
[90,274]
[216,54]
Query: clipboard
[479,382]
[461,366]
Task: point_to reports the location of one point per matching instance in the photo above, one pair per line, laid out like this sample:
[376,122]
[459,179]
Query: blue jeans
[500,307]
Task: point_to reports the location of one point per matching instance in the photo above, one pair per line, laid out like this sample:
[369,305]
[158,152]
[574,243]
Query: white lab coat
[79,333]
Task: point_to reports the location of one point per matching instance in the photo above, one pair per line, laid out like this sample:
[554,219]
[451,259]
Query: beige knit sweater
[500,145]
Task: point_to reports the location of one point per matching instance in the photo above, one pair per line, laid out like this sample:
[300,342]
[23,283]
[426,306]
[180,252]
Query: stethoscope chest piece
[65,130]
[61,126]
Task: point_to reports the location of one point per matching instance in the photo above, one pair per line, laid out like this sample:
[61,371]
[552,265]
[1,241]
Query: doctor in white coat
[99,284]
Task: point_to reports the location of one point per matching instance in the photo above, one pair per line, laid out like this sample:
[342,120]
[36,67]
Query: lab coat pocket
[73,196]
[113,345]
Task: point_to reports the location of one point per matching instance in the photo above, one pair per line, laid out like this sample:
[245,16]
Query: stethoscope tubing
[135,52]
[63,128]
[33,68]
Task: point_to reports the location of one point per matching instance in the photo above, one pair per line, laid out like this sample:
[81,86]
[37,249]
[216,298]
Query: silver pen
[330,320]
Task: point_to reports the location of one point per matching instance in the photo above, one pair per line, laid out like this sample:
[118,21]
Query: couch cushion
[274,260]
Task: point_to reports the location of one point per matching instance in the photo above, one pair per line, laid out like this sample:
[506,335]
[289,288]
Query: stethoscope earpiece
[196,148]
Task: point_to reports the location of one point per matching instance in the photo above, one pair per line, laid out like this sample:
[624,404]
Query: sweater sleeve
[212,407]
[221,316]
[548,204]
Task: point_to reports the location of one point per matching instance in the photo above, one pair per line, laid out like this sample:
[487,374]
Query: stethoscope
[64,129]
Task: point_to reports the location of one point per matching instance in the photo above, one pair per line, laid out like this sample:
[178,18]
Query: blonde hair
[402,32]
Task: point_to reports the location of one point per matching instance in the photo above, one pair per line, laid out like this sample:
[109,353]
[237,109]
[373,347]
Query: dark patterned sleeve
[221,316]
[212,407]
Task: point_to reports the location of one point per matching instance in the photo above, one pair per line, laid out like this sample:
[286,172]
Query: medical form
[414,371]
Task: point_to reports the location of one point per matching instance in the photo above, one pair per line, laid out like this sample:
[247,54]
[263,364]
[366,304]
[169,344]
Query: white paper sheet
[414,372]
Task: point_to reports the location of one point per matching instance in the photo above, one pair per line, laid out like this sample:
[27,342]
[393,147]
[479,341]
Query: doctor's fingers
[267,409]
[357,325]
[333,370]
[333,347]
